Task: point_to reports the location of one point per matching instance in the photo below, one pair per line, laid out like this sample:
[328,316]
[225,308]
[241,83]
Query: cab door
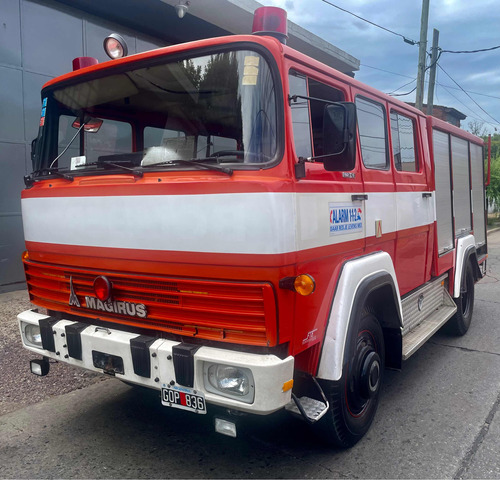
[378,184]
[414,204]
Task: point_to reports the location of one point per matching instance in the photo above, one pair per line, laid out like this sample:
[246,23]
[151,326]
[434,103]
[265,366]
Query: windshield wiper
[198,162]
[30,179]
[133,171]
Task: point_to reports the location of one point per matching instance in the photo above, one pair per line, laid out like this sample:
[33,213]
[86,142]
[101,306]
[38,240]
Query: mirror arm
[313,159]
[293,98]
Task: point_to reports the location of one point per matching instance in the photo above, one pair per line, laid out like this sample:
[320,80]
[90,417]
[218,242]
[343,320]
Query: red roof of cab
[270,43]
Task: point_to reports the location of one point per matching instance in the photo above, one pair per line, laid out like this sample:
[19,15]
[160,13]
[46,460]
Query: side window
[372,133]
[320,90]
[300,116]
[403,143]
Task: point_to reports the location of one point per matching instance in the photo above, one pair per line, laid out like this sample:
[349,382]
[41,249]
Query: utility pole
[419,100]
[432,71]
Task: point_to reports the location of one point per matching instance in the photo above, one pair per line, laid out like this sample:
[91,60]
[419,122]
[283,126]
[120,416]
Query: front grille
[232,312]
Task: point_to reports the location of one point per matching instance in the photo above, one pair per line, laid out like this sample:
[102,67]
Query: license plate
[184,398]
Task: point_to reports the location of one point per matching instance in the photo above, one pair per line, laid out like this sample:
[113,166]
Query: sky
[462,25]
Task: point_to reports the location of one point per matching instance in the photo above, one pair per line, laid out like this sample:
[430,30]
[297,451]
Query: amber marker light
[26,255]
[302,284]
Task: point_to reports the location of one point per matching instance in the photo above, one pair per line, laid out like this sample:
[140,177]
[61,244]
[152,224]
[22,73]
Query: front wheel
[354,398]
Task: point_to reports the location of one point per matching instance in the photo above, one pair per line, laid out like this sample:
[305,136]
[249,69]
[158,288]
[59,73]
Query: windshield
[217,108]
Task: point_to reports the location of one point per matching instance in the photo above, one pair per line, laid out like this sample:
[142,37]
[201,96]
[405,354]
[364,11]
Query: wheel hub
[369,379]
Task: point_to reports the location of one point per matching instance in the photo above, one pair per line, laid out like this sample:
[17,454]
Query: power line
[468,108]
[440,84]
[406,39]
[402,86]
[447,74]
[403,94]
[386,71]
[470,51]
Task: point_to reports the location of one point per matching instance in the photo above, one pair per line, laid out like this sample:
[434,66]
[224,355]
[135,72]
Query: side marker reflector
[288,385]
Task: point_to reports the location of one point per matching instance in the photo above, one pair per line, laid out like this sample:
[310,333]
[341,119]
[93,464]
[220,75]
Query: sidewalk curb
[493,230]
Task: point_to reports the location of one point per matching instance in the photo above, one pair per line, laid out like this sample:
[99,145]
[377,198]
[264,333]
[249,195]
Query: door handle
[356,198]
[426,195]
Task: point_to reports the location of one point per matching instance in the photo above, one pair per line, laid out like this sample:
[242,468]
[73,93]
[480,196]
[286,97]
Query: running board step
[313,409]
[417,337]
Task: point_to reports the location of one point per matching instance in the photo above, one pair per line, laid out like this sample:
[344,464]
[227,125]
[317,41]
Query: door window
[372,133]
[403,143]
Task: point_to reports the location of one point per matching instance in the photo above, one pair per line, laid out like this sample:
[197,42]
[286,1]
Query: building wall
[38,41]
[442,114]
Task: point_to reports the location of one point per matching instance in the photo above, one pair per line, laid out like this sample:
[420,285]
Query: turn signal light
[302,284]
[102,288]
[26,255]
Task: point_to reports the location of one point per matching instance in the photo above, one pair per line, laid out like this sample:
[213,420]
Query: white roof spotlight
[181,9]
[115,46]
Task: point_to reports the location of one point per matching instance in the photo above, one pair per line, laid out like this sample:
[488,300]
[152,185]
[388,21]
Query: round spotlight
[115,46]
[102,288]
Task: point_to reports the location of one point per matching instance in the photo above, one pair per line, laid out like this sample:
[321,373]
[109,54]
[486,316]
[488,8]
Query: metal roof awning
[209,18]
[237,18]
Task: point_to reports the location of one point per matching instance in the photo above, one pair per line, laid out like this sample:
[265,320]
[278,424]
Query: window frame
[418,160]
[171,58]
[342,88]
[386,135]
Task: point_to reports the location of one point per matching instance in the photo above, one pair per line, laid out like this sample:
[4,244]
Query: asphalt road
[438,418]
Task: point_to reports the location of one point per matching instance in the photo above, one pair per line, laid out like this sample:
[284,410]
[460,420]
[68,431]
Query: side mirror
[92,125]
[339,136]
[33,148]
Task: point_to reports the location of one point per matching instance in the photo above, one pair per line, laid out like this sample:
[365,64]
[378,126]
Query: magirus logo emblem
[111,306]
[73,299]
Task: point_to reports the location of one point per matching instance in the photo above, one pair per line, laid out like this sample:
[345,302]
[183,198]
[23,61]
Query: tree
[477,128]
[493,190]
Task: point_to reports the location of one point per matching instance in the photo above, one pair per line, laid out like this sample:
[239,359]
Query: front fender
[359,277]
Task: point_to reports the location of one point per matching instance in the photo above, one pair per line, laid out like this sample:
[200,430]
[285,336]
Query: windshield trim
[186,55]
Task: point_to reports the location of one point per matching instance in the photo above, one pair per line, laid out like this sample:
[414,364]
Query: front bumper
[270,373]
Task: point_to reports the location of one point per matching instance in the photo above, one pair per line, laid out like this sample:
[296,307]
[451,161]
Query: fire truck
[232,223]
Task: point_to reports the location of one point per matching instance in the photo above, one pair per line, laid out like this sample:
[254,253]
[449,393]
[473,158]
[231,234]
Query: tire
[354,398]
[460,322]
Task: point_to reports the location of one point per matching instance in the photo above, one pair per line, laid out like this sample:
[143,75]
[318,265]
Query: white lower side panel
[269,372]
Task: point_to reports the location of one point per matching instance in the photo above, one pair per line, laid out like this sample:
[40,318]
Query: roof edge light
[82,62]
[115,46]
[271,21]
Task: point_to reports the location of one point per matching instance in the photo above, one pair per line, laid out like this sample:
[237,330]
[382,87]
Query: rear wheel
[460,322]
[354,398]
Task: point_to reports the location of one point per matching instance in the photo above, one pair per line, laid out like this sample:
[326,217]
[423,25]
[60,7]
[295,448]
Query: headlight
[229,381]
[32,335]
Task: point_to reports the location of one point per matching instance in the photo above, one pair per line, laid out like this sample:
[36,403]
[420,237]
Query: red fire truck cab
[233,223]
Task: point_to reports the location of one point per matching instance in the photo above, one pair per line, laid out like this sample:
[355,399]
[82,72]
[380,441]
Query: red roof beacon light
[102,288]
[115,46]
[271,21]
[82,62]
